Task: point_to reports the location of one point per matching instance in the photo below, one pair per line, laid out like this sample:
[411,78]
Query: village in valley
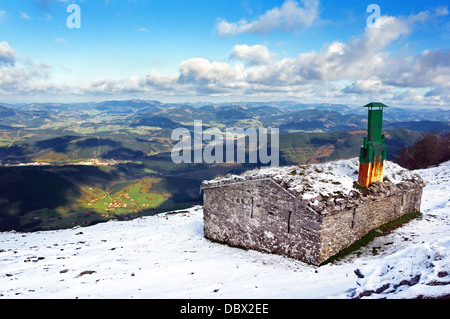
[90,162]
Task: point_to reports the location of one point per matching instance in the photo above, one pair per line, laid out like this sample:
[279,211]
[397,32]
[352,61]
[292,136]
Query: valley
[64,165]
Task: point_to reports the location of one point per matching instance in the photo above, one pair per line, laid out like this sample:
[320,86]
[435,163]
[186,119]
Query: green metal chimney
[373,152]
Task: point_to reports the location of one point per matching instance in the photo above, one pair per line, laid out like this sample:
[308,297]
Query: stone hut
[309,213]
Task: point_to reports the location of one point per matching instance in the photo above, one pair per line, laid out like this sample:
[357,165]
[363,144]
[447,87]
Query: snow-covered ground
[166,256]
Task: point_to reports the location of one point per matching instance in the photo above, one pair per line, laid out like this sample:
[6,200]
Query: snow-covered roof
[315,181]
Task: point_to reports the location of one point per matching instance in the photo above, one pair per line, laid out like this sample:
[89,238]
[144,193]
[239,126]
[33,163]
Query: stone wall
[344,227]
[262,215]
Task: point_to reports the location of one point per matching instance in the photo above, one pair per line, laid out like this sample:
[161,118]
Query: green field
[41,198]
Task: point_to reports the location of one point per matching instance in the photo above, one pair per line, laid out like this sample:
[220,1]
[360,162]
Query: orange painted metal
[371,173]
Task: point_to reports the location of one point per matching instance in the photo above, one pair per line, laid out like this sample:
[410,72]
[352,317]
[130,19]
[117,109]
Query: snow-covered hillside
[166,256]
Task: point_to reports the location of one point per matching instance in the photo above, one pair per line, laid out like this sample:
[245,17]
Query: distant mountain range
[289,115]
[136,128]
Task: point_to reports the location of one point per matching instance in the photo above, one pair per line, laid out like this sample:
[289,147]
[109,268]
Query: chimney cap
[375,104]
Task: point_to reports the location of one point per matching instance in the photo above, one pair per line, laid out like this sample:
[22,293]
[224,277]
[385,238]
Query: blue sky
[312,51]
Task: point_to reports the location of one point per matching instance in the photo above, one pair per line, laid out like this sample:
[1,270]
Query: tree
[431,150]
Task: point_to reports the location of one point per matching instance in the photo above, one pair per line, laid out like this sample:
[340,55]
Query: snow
[166,256]
[310,181]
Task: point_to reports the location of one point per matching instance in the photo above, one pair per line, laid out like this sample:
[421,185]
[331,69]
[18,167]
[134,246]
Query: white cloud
[25,16]
[23,79]
[159,81]
[7,54]
[251,55]
[2,15]
[21,75]
[368,86]
[290,16]
[362,58]
[428,69]
[365,63]
[442,11]
[60,40]
[203,72]
[153,82]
